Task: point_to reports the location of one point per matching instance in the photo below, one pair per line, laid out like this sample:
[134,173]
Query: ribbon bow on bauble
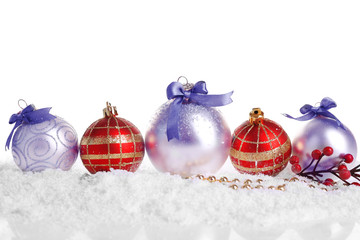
[311,112]
[28,115]
[198,95]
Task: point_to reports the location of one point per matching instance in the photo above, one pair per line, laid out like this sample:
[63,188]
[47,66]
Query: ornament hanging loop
[110,111]
[187,86]
[256,116]
[21,102]
[178,80]
[317,104]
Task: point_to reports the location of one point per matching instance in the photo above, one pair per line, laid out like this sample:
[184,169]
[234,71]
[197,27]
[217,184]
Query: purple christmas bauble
[50,144]
[203,145]
[319,133]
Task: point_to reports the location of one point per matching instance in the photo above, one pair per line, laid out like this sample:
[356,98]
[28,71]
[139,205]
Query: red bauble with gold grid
[260,146]
[112,143]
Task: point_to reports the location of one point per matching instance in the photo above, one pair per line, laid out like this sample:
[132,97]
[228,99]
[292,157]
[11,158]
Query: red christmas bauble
[260,146]
[112,142]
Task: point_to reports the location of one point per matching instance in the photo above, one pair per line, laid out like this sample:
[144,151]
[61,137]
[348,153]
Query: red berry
[328,151]
[355,183]
[296,168]
[329,180]
[294,160]
[344,174]
[328,183]
[342,167]
[316,154]
[348,158]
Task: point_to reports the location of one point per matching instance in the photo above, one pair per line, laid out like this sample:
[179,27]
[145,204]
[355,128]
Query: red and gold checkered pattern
[112,142]
[260,148]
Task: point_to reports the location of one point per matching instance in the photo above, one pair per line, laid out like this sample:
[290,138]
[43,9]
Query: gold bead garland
[259,183]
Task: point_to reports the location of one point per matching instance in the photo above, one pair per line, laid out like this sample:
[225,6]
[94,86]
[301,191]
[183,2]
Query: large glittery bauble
[112,143]
[319,133]
[50,144]
[262,147]
[203,144]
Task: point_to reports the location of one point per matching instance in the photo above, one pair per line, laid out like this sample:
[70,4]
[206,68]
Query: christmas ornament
[42,140]
[260,146]
[187,136]
[112,142]
[339,170]
[322,130]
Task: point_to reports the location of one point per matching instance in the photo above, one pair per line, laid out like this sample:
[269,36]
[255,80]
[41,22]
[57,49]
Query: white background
[74,56]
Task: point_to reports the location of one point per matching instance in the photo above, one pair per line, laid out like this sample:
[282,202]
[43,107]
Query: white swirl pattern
[50,144]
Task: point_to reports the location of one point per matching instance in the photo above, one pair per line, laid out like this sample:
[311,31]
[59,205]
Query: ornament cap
[256,116]
[187,86]
[110,111]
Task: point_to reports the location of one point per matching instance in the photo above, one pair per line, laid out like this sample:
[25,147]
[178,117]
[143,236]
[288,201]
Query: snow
[55,204]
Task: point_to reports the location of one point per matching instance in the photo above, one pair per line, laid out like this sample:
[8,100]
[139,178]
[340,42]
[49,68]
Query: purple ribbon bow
[311,112]
[28,115]
[197,95]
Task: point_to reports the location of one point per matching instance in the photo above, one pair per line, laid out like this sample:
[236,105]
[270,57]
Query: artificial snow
[55,204]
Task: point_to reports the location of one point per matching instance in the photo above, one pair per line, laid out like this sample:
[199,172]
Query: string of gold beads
[248,184]
[236,183]
[312,184]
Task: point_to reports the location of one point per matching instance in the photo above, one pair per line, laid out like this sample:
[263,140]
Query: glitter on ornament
[260,146]
[112,143]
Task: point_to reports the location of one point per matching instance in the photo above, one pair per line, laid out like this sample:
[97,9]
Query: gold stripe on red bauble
[260,146]
[112,143]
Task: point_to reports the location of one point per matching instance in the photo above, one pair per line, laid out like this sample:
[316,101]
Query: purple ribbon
[311,112]
[197,95]
[28,115]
